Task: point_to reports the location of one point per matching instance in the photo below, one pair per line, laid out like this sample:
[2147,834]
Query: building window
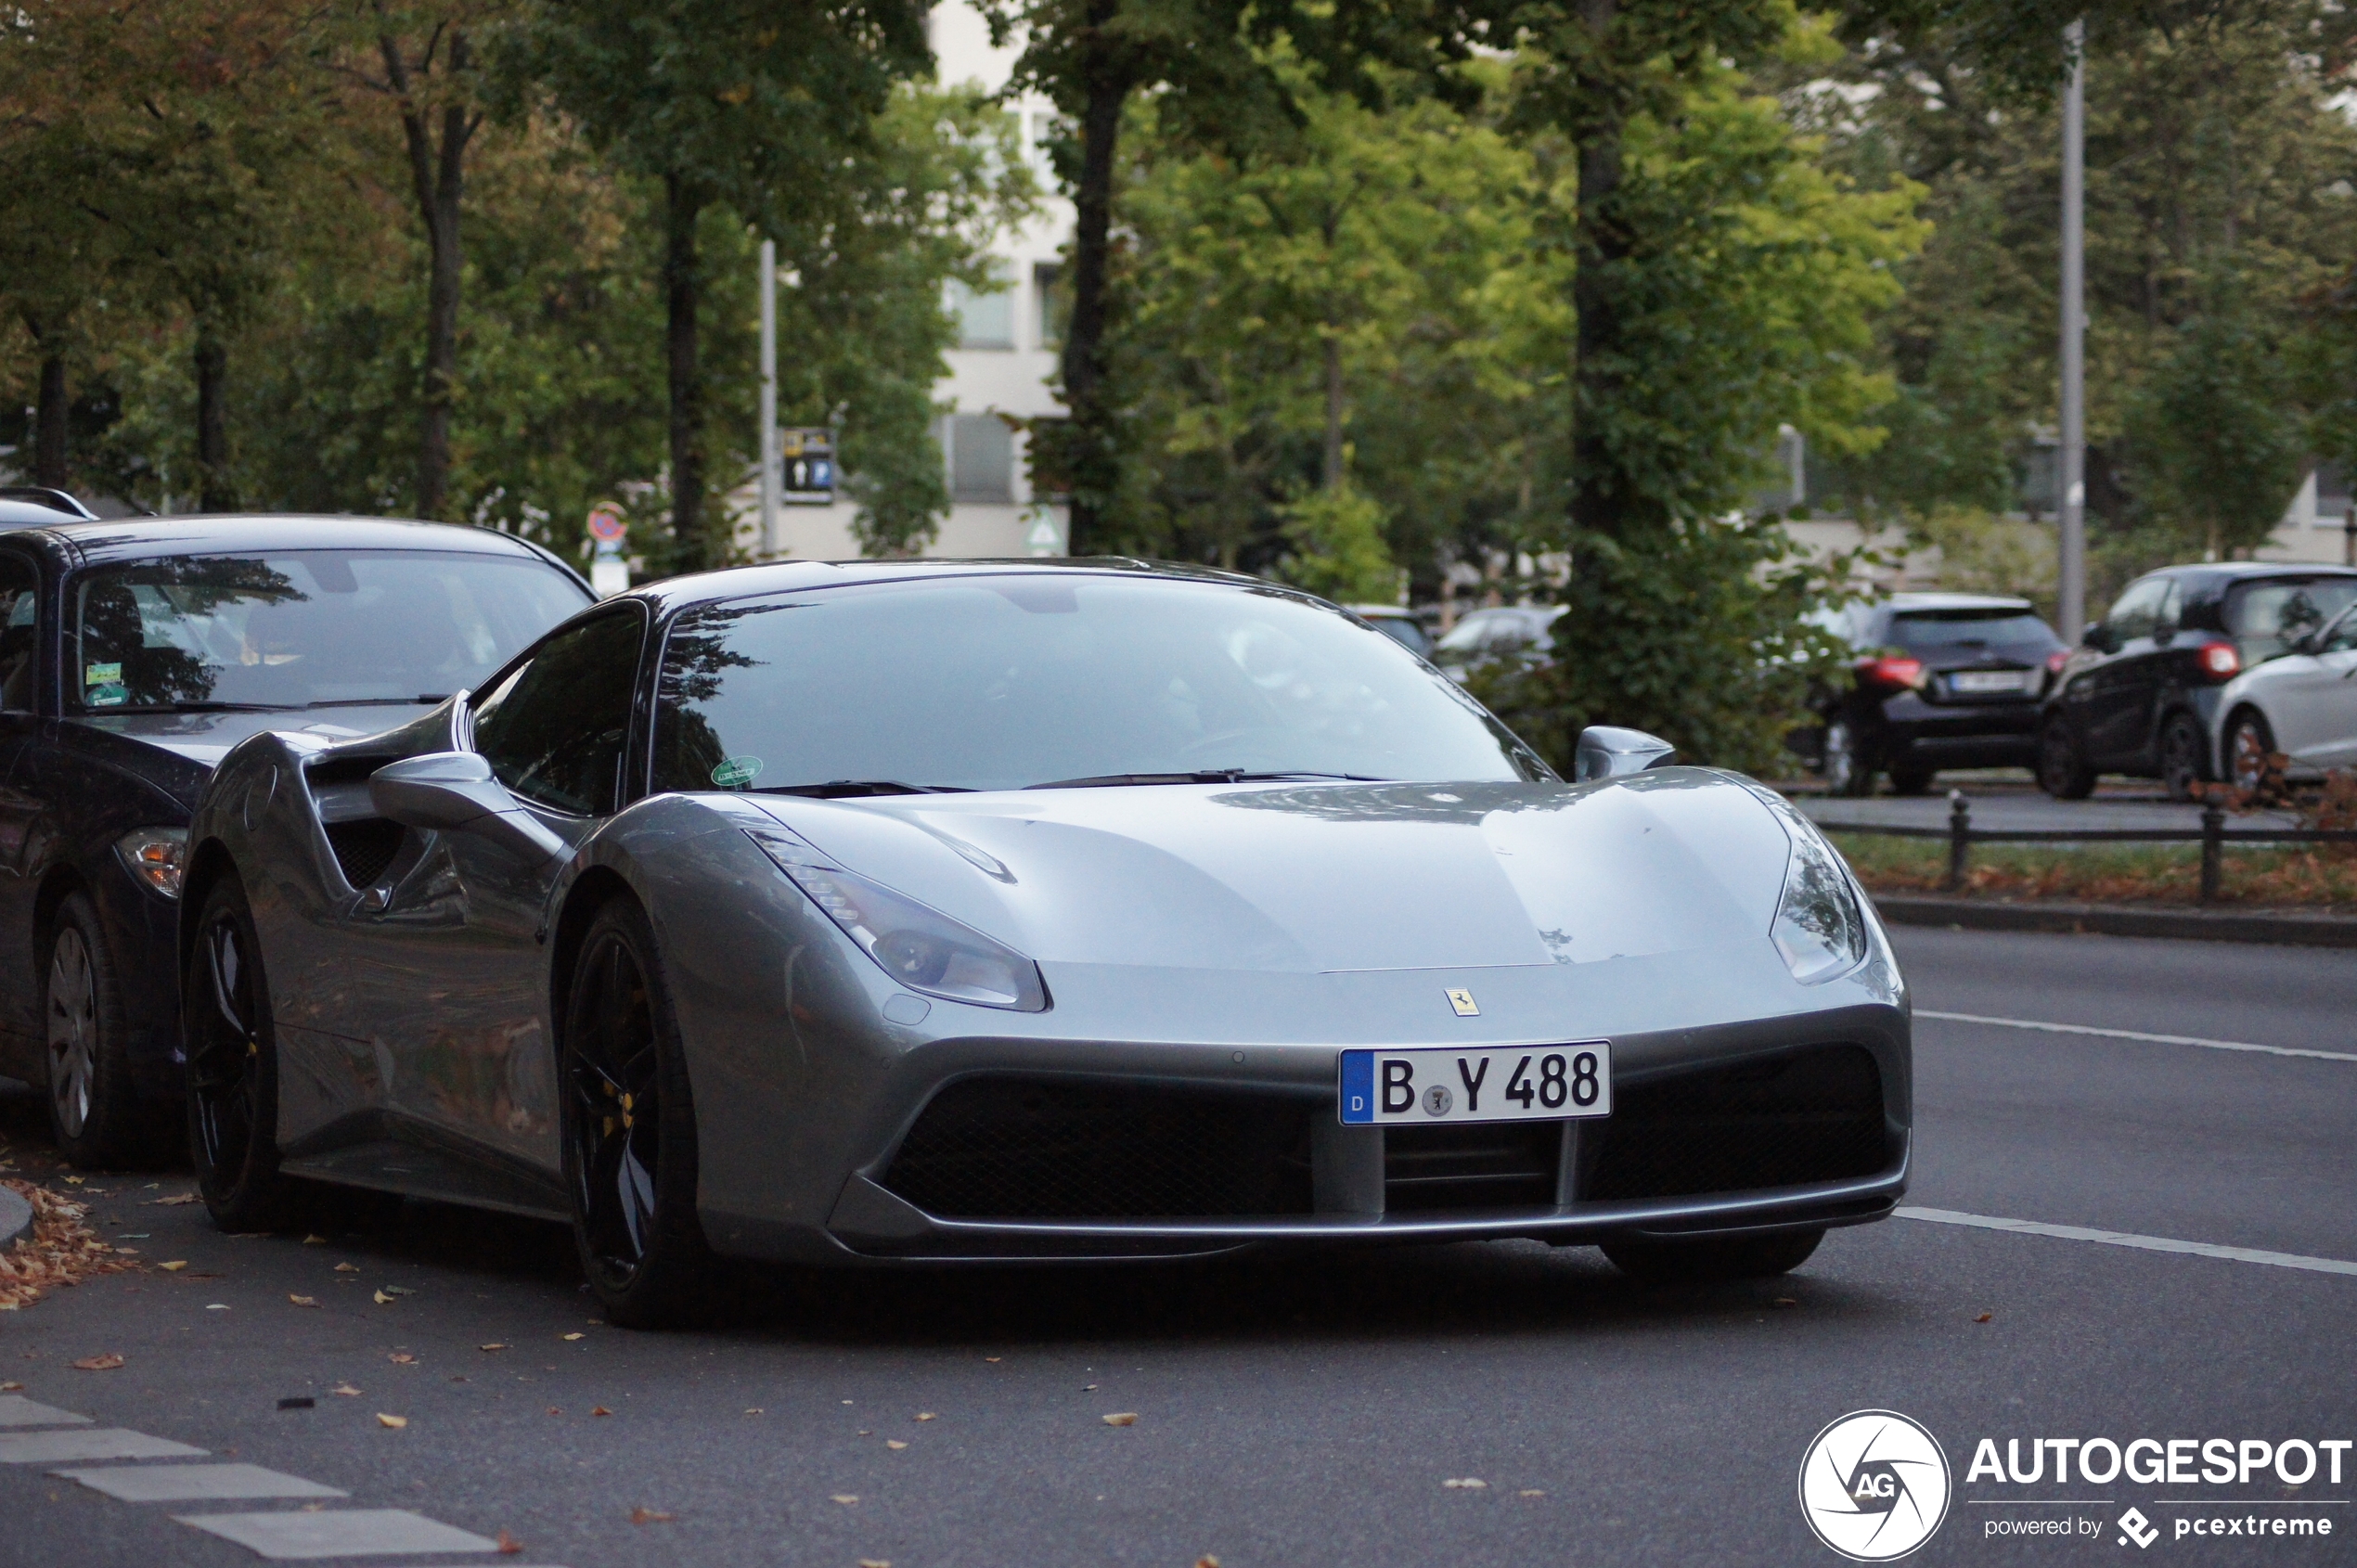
[980,452]
[1051,302]
[985,317]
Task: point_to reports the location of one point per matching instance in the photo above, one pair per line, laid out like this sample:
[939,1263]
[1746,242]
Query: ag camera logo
[1875,1485]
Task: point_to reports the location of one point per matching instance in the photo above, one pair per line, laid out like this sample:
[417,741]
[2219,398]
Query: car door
[455,962]
[20,690]
[2113,702]
[2313,705]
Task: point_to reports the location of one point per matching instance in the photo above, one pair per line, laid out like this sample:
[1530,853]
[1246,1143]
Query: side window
[19,648]
[554,731]
[2138,610]
[2172,608]
[2343,636]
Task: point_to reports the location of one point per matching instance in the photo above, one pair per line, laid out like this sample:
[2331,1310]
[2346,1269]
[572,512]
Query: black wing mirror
[1608,752]
[2097,637]
[457,792]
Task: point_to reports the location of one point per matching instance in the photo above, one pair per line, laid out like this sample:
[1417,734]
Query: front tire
[233,1067]
[1713,1261]
[629,1129]
[2250,742]
[2183,761]
[2062,770]
[95,1110]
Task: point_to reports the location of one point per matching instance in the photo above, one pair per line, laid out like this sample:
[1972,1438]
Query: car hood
[205,739]
[1329,877]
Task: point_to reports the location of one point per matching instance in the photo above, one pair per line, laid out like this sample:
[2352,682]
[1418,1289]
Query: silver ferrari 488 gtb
[913,911]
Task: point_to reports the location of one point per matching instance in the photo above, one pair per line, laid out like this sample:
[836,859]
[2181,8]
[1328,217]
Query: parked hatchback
[2146,693]
[1520,632]
[1941,681]
[133,654]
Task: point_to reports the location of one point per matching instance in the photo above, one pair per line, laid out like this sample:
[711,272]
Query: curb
[2116,920]
[16,1219]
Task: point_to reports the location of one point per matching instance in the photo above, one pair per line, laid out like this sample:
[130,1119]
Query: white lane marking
[180,1484]
[2135,1035]
[103,1443]
[17,1410]
[2128,1238]
[359,1532]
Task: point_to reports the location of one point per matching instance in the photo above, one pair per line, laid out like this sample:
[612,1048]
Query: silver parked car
[914,910]
[2302,702]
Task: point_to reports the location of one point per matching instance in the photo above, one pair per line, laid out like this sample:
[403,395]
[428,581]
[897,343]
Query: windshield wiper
[1203,776]
[194,708]
[840,788]
[427,699]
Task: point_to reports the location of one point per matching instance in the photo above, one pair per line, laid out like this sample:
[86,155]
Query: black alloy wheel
[2062,773]
[2183,760]
[233,1067]
[1712,1261]
[95,1111]
[629,1129]
[1912,780]
[2250,742]
[1847,771]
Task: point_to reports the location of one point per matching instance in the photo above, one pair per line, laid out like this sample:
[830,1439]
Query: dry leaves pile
[61,1251]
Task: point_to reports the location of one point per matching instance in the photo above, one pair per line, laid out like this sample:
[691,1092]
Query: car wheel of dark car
[1742,1257]
[1912,780]
[630,1128]
[94,1111]
[233,1067]
[2250,742]
[2062,772]
[2183,766]
[1846,772]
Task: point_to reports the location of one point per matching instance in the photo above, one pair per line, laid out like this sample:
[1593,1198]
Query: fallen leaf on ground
[174,1266]
[1786,1300]
[875,1562]
[571,1336]
[555,1411]
[845,1498]
[106,1363]
[10,1387]
[1984,1318]
[396,1422]
[865,1432]
[1207,1561]
[754,1411]
[600,1410]
[75,1181]
[61,1251]
[314,1240]
[305,1300]
[509,1544]
[1466,1484]
[1122,1417]
[402,1358]
[346,1390]
[383,1300]
[399,1291]
[1531,1492]
[347,1268]
[993,1358]
[650,1516]
[927,1416]
[172,1202]
[895,1443]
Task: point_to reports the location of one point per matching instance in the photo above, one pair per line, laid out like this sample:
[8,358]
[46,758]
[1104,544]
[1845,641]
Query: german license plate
[1981,682]
[1505,1084]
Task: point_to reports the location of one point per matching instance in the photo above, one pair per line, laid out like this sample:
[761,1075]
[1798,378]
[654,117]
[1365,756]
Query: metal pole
[769,397]
[2073,608]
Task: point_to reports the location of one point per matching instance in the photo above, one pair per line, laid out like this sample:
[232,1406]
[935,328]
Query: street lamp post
[2073,608]
[769,397]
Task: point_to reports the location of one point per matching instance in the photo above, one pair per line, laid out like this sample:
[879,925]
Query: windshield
[998,683]
[1942,633]
[2267,618]
[302,628]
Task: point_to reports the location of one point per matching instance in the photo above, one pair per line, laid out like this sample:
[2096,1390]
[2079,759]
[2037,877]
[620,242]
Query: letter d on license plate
[1500,1084]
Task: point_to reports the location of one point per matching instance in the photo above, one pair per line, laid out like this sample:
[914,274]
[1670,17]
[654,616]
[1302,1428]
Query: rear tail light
[2056,660]
[1891,675]
[2220,661]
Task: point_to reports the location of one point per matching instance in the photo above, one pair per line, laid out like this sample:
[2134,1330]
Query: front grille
[1014,1146]
[1780,1121]
[1477,1165]
[364,847]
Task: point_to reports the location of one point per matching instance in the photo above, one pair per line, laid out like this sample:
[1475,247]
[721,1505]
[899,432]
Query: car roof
[790,576]
[30,514]
[2232,571]
[1901,603]
[90,542]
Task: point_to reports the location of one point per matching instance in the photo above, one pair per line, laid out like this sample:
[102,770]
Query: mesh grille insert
[364,847]
[1781,1121]
[1009,1147]
[1477,1166]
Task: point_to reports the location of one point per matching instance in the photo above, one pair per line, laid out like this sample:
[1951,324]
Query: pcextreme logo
[1874,1485]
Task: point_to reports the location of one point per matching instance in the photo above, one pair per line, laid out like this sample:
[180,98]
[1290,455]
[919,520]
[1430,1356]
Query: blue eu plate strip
[1358,1086]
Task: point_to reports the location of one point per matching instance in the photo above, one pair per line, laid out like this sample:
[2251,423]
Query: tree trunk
[1599,498]
[1330,474]
[1090,458]
[681,285]
[49,425]
[437,173]
[213,493]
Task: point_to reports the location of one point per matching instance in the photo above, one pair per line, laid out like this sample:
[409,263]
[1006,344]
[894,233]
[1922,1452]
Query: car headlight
[1818,928]
[154,857]
[919,947]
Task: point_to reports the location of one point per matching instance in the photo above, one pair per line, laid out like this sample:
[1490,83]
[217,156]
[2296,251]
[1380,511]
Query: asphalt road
[1308,1411]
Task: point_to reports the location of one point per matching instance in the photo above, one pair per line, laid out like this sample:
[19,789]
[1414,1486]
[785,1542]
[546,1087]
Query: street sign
[605,523]
[807,458]
[1046,534]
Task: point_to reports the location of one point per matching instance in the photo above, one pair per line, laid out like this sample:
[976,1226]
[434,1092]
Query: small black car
[2141,697]
[134,653]
[1942,680]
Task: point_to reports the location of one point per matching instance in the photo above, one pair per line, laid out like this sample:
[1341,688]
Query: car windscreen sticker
[736,772]
[103,684]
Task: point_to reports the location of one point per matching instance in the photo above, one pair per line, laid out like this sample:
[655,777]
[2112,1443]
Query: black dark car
[133,654]
[1941,680]
[2141,697]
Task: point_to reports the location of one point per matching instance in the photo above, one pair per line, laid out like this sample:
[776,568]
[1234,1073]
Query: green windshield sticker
[737,772]
[103,674]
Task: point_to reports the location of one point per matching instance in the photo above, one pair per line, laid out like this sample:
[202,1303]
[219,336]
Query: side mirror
[1608,752]
[457,792]
[2097,637]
